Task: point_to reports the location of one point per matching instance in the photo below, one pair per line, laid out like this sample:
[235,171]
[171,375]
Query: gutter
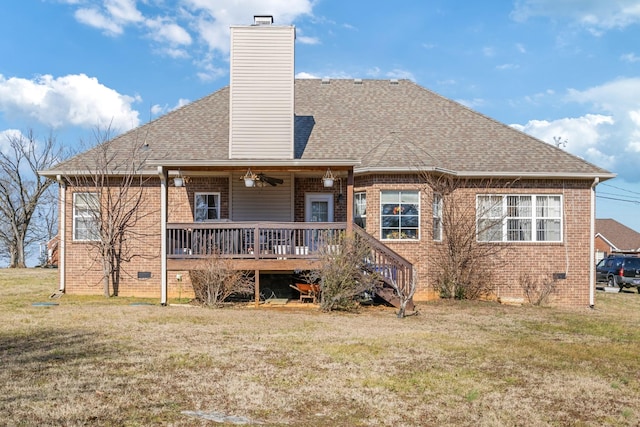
[592,246]
[485,174]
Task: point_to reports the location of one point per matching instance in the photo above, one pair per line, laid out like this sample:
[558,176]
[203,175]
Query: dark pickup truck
[620,271]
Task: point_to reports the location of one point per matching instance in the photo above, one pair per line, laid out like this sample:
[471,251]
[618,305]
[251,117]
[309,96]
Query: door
[318,207]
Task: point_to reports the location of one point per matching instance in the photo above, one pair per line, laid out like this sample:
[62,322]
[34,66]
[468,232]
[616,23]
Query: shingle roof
[386,125]
[619,235]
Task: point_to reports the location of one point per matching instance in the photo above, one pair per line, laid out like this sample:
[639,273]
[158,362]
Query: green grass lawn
[97,361]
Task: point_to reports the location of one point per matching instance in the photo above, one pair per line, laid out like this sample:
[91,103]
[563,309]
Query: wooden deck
[278,247]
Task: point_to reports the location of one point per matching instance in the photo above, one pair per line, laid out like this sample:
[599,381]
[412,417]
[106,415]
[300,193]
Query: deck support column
[257,287]
[350,202]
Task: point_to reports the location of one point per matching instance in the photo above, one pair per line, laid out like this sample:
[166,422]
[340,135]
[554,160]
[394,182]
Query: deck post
[350,202]
[257,287]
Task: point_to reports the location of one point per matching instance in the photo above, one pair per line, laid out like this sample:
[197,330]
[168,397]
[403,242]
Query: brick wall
[314,185]
[570,257]
[82,261]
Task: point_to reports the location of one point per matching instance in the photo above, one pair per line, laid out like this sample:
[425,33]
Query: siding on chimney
[262,98]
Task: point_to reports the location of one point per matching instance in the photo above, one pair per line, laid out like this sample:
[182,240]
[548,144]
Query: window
[360,209]
[437,216]
[519,218]
[400,214]
[85,216]
[207,206]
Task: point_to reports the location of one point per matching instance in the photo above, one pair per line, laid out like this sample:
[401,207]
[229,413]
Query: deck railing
[250,240]
[394,268]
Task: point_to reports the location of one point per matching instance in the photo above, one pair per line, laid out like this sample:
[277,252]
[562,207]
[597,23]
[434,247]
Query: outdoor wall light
[328,178]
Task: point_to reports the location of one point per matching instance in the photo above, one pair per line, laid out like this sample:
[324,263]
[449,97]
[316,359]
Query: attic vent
[262,20]
[325,81]
[357,81]
[393,81]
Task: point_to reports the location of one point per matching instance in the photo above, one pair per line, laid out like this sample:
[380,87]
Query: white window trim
[418,237]
[534,218]
[195,204]
[437,215]
[76,216]
[318,197]
[357,196]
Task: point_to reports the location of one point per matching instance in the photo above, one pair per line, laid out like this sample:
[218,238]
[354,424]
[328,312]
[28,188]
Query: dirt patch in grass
[95,361]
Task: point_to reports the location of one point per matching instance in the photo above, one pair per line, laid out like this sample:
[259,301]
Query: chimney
[261,110]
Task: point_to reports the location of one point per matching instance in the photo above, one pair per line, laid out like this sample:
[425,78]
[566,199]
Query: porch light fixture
[249,178]
[328,178]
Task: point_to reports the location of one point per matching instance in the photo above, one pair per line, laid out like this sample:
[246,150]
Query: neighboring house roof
[385,125]
[618,236]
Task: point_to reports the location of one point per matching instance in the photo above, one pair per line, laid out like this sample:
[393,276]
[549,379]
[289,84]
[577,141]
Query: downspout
[592,246]
[163,235]
[62,231]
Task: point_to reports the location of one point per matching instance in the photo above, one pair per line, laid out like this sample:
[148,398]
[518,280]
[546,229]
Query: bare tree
[462,265]
[25,208]
[112,202]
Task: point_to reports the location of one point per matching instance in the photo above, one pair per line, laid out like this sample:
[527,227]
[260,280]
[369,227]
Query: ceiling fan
[268,179]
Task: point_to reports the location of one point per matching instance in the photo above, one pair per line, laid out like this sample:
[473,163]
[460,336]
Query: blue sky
[563,69]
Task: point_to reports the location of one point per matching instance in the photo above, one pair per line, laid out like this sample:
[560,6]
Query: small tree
[25,209]
[463,267]
[343,273]
[115,203]
[214,280]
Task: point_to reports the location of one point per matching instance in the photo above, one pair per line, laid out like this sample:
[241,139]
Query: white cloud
[215,18]
[373,72]
[630,57]
[398,73]
[595,15]
[165,31]
[488,51]
[76,100]
[174,28]
[610,135]
[123,10]
[472,103]
[584,135]
[617,96]
[507,67]
[308,40]
[521,48]
[93,18]
[157,109]
[6,136]
[305,75]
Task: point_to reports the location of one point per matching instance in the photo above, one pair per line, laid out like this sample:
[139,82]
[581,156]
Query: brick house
[244,168]
[612,236]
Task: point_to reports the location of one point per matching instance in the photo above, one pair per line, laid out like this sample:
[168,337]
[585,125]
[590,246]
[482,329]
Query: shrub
[343,275]
[537,290]
[214,281]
